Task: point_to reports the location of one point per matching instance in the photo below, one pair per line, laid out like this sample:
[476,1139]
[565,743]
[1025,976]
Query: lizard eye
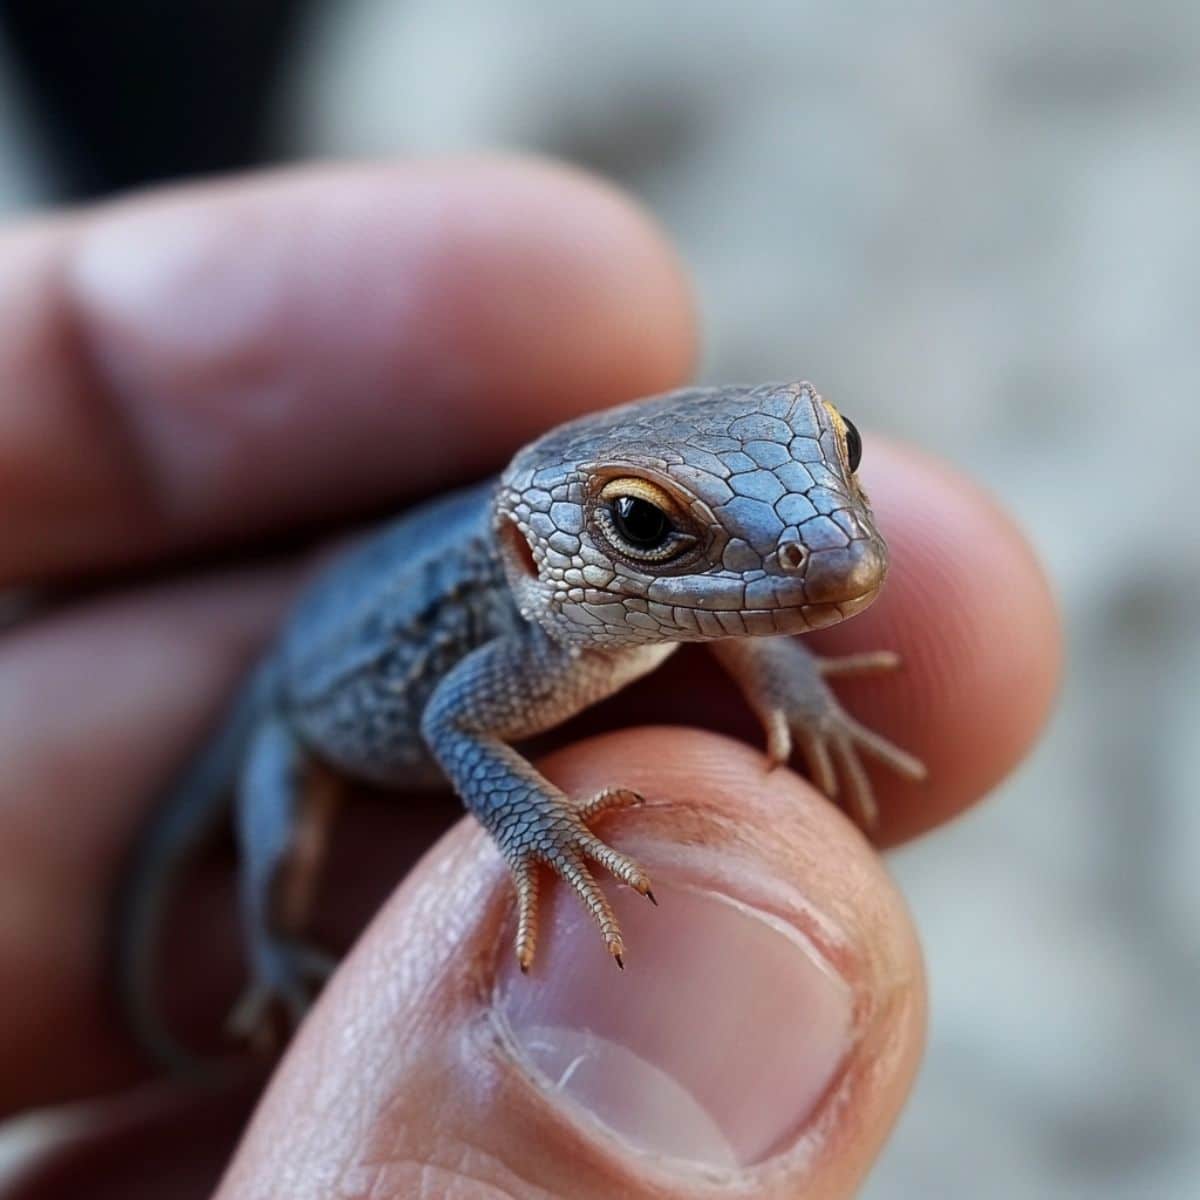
[639,522]
[853,445]
[635,518]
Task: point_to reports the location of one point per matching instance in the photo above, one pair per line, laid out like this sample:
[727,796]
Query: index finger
[214,361]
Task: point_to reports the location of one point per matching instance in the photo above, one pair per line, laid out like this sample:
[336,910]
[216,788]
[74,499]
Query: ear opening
[518,549]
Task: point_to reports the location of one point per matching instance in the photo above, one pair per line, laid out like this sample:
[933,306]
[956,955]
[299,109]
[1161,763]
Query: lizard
[732,516]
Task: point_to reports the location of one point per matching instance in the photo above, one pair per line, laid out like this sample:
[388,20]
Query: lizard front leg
[510,689]
[785,685]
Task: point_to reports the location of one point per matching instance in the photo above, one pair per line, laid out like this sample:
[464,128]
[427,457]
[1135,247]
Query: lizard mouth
[709,621]
[847,605]
[829,612]
[804,617]
[830,596]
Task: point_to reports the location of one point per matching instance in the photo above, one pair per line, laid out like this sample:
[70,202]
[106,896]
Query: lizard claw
[564,845]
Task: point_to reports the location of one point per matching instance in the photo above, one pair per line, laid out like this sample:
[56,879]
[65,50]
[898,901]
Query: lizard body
[731,516]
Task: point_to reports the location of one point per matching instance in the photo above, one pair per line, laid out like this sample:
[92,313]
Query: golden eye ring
[639,520]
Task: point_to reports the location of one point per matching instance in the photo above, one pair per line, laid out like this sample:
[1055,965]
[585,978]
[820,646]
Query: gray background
[975,225]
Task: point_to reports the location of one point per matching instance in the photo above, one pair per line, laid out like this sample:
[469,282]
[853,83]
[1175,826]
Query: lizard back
[377,630]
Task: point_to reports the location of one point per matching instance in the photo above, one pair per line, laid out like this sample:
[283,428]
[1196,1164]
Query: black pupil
[853,444]
[639,522]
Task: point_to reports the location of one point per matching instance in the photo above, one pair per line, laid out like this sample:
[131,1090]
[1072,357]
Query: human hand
[249,358]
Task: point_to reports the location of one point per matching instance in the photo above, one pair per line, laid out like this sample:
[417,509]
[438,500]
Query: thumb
[762,1039]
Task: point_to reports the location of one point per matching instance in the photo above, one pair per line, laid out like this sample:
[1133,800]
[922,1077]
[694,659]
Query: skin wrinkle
[476,1159]
[471,1159]
[70,393]
[134,466]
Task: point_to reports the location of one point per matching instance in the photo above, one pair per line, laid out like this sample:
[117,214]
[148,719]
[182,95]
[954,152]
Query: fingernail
[715,1046]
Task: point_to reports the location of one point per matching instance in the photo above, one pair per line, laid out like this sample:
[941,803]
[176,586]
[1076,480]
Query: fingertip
[970,610]
[638,292]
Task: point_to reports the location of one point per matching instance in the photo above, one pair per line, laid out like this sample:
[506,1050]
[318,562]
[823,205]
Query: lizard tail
[190,809]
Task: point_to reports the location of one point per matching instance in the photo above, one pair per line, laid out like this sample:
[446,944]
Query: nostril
[792,556]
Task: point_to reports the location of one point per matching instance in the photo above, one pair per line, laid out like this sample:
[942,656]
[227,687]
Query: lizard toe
[571,868]
[287,976]
[561,840]
[619,866]
[609,800]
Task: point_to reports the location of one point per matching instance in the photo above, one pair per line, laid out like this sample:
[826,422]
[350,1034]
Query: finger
[967,608]
[158,1140]
[96,710]
[218,360]
[762,1039]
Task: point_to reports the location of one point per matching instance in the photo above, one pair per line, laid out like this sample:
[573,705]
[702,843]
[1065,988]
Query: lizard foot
[787,686]
[287,976]
[831,740]
[561,839]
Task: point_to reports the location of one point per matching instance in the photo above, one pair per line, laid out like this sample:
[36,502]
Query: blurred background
[976,225]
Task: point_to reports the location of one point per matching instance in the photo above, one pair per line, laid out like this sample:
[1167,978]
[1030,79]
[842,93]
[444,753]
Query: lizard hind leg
[284,806]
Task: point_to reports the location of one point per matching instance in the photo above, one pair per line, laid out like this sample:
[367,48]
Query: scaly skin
[731,516]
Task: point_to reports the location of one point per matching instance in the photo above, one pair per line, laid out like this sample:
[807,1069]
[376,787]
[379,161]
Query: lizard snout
[837,575]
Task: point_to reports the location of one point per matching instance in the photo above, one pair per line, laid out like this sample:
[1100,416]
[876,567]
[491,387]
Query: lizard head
[700,514]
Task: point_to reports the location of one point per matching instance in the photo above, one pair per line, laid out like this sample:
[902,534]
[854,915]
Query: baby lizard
[731,516]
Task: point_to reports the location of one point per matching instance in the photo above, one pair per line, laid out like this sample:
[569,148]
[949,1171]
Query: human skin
[235,364]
